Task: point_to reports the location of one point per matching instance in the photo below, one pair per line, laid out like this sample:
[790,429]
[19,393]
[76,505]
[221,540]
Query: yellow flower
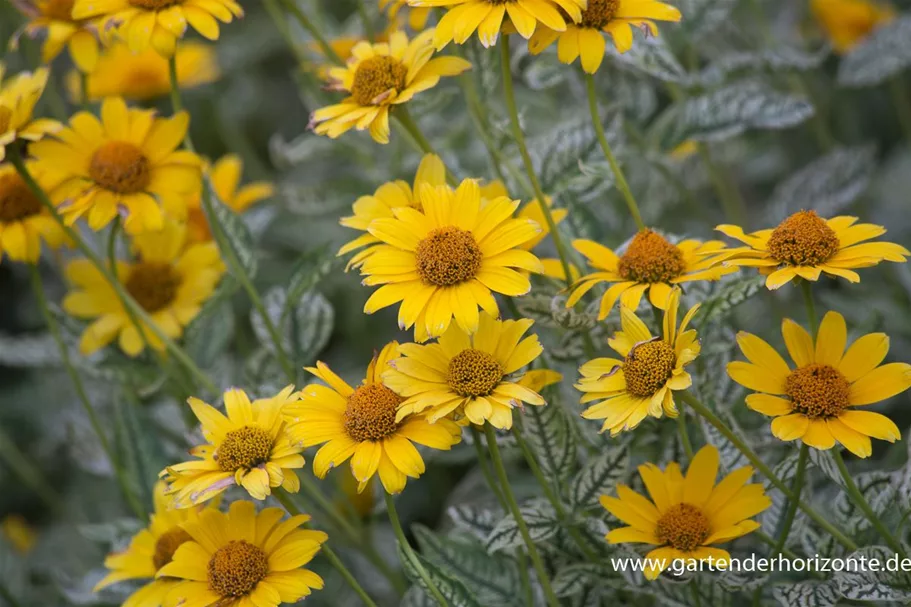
[379,77]
[170,280]
[686,515]
[241,558]
[250,447]
[18,532]
[816,401]
[650,263]
[615,17]
[848,22]
[225,176]
[24,222]
[18,96]
[149,551]
[384,201]
[159,23]
[806,245]
[642,383]
[361,424]
[447,260]
[417,17]
[466,375]
[144,76]
[56,17]
[127,164]
[486,16]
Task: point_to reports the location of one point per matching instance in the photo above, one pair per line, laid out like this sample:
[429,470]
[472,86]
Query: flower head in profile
[18,96]
[249,447]
[127,164]
[805,245]
[417,16]
[158,23]
[650,263]
[24,222]
[447,260]
[820,401]
[686,515]
[379,77]
[169,279]
[380,205]
[360,424]
[468,376]
[55,19]
[643,382]
[490,17]
[144,76]
[585,39]
[149,551]
[847,22]
[240,558]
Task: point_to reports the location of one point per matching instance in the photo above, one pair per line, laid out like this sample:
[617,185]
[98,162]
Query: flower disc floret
[818,391]
[474,373]
[167,545]
[648,366]
[16,199]
[650,258]
[448,256]
[370,413]
[236,568]
[120,167]
[375,77]
[244,449]
[599,13]
[803,239]
[683,526]
[153,285]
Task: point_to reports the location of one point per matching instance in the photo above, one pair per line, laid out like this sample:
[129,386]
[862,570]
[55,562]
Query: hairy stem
[409,551]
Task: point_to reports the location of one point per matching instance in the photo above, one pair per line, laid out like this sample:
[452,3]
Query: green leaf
[549,437]
[551,311]
[731,457]
[599,477]
[649,56]
[881,55]
[476,521]
[575,578]
[879,491]
[210,332]
[538,516]
[771,59]
[27,351]
[807,594]
[454,591]
[307,272]
[237,238]
[139,450]
[702,16]
[871,585]
[304,332]
[728,294]
[826,463]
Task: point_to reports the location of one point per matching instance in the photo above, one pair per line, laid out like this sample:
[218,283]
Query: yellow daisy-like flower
[55,17]
[847,22]
[126,164]
[144,76]
[225,176]
[615,17]
[18,96]
[149,551]
[361,424]
[464,17]
[241,559]
[650,263]
[466,375]
[379,77]
[805,245]
[170,280]
[447,260]
[159,23]
[24,222]
[686,515]
[642,383]
[250,447]
[816,401]
[417,17]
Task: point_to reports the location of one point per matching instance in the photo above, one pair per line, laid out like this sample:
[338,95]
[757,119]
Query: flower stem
[609,154]
[684,433]
[285,500]
[328,51]
[407,122]
[858,499]
[409,552]
[30,475]
[797,487]
[741,446]
[519,137]
[902,104]
[811,307]
[536,561]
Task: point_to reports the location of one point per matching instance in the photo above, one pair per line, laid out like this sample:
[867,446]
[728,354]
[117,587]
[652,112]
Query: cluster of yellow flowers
[443,251]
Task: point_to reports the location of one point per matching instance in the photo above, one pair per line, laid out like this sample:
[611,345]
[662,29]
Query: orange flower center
[375,77]
[818,391]
[370,414]
[244,449]
[120,167]
[58,10]
[167,545]
[648,366]
[473,373]
[650,258]
[236,568]
[153,285]
[683,526]
[599,13]
[448,256]
[803,239]
[154,5]
[16,199]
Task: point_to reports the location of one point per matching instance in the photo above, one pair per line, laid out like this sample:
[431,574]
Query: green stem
[126,299]
[791,512]
[30,475]
[811,307]
[684,433]
[609,154]
[519,137]
[858,499]
[305,22]
[731,201]
[741,446]
[285,500]
[902,104]
[409,552]
[536,561]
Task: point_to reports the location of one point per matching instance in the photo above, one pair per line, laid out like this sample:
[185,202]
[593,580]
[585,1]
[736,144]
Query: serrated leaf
[547,431]
[599,476]
[771,59]
[237,242]
[807,594]
[881,55]
[210,332]
[871,585]
[539,517]
[454,591]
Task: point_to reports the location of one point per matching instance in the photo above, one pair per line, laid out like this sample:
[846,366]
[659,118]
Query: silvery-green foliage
[548,434]
[766,60]
[235,240]
[810,593]
[452,589]
[703,16]
[304,330]
[650,57]
[879,491]
[599,477]
[868,585]
[882,55]
[540,518]
[210,333]
[476,521]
